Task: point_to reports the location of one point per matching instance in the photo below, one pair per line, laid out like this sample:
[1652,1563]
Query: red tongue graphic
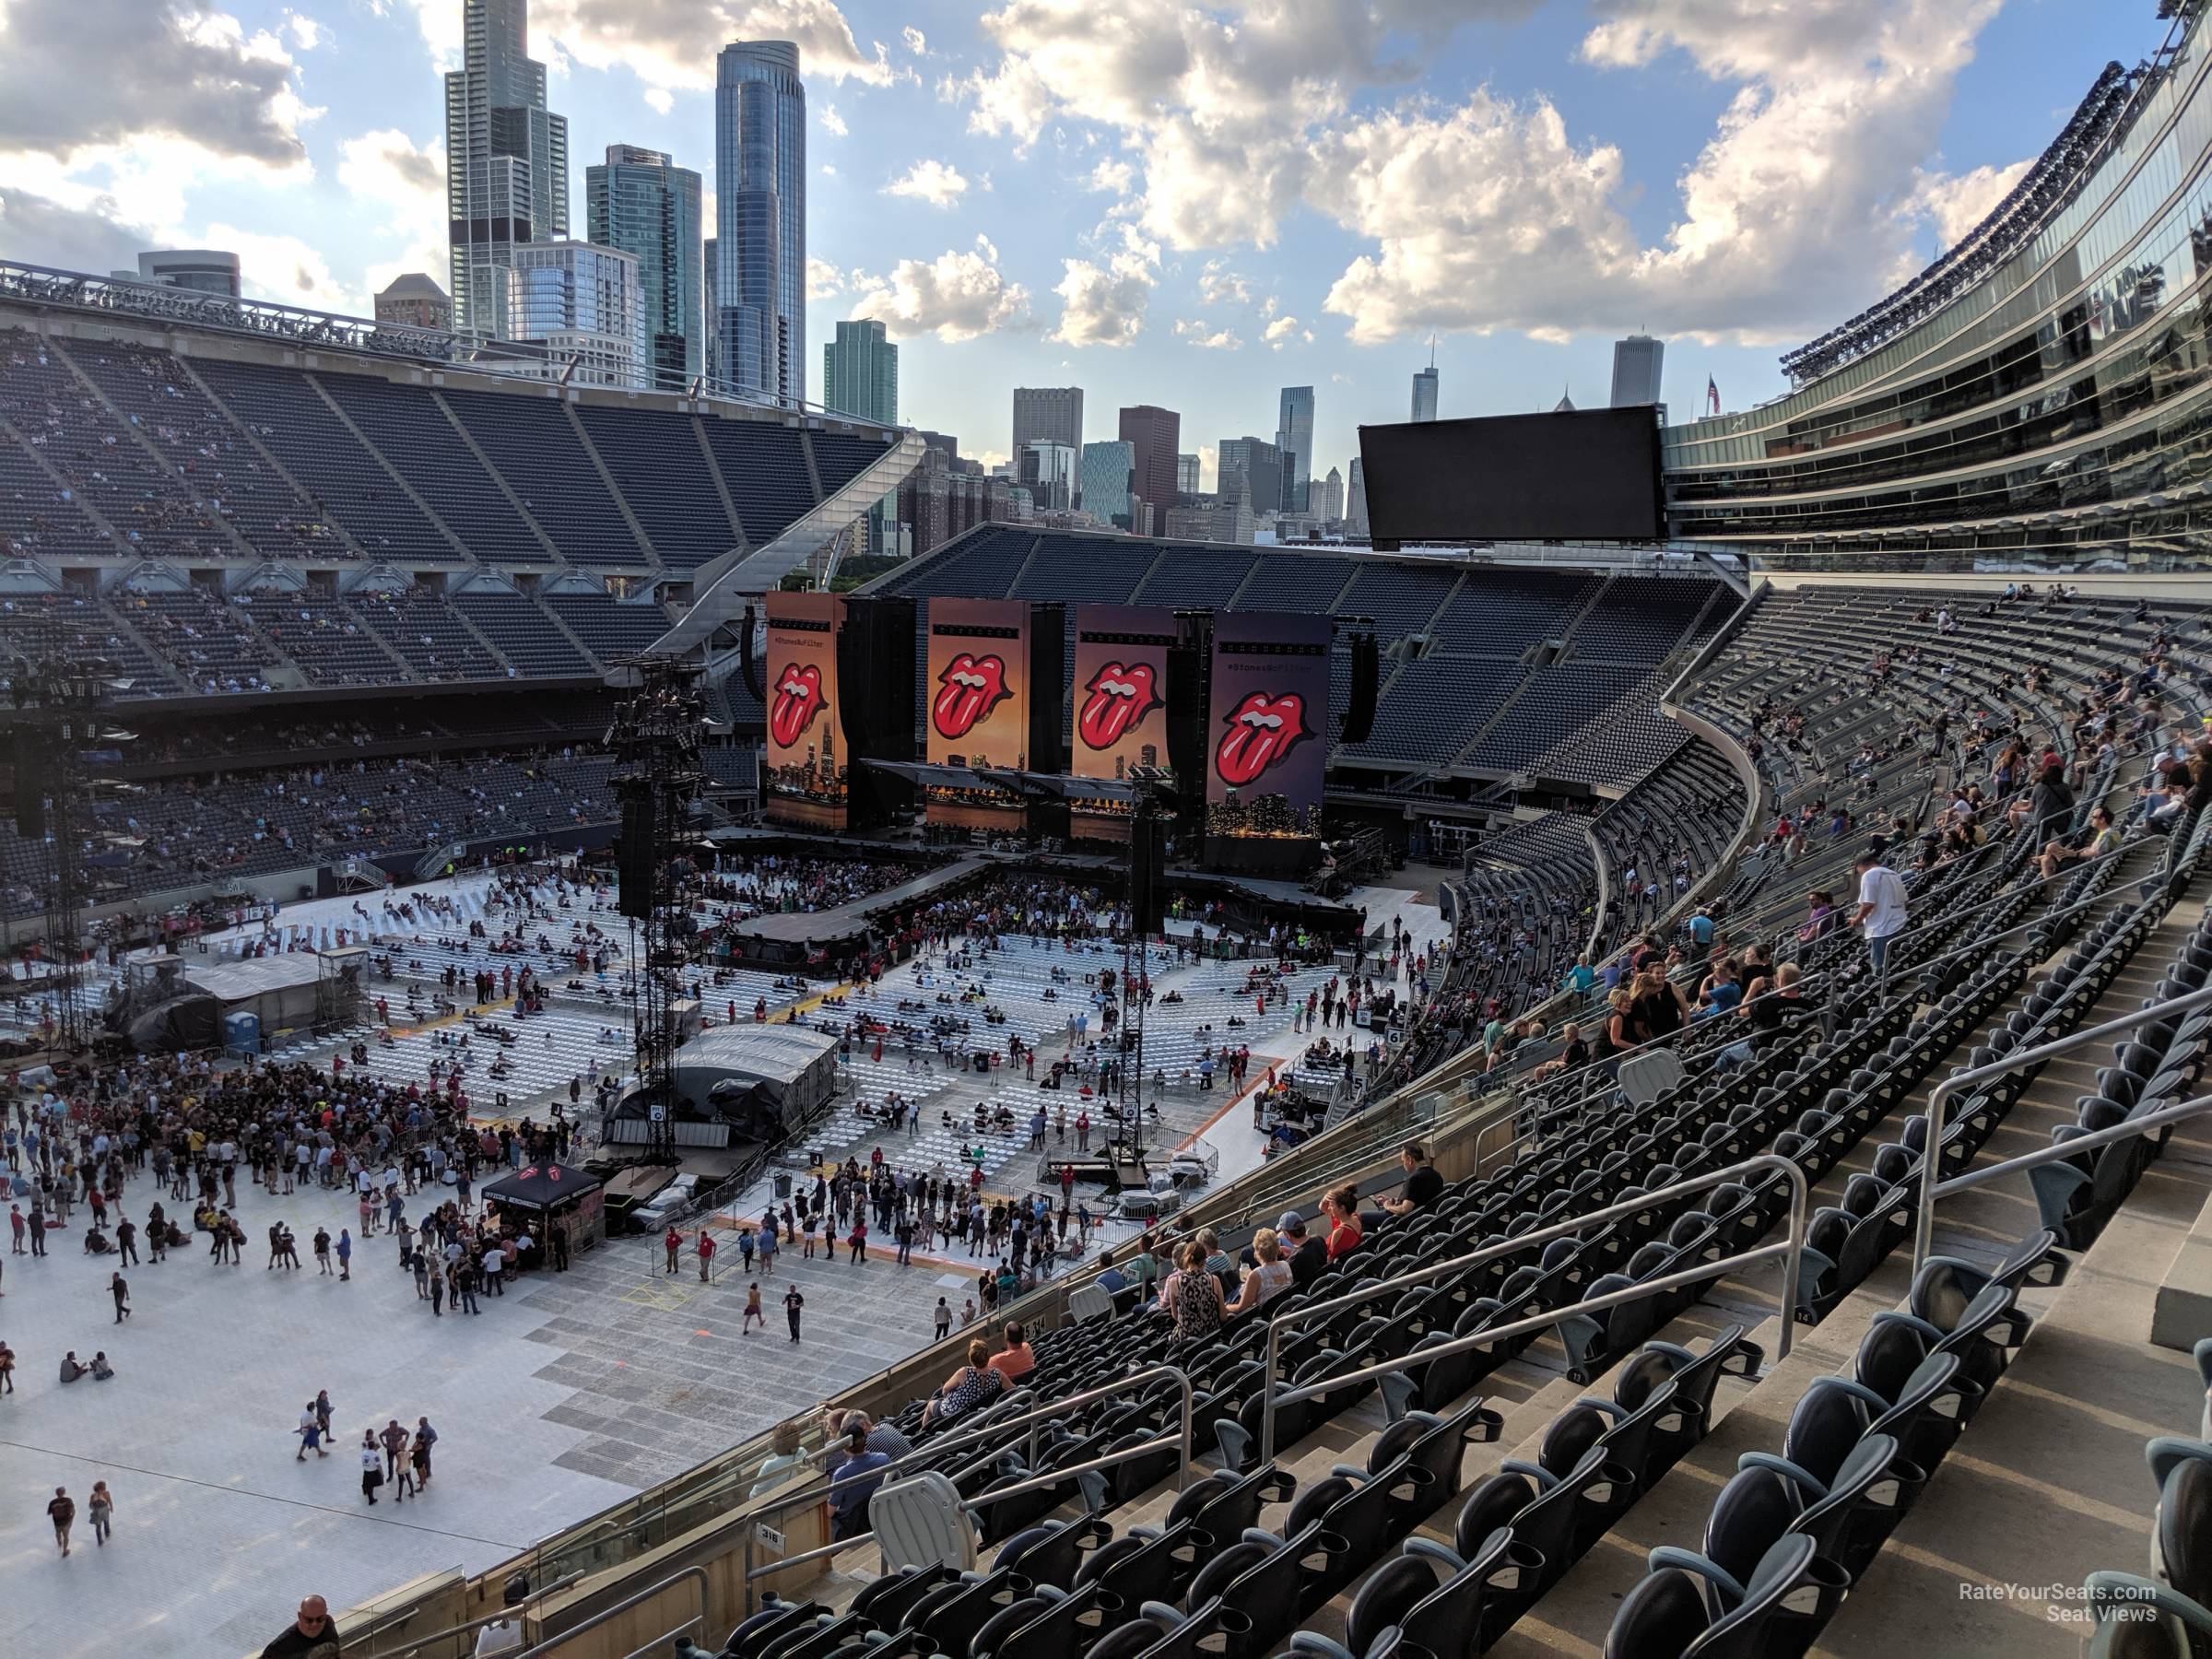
[798,698]
[1261,731]
[968,690]
[1118,699]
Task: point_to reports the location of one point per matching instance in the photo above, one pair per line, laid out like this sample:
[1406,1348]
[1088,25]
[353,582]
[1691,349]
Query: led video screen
[1118,709]
[1267,724]
[979,709]
[805,779]
[1582,475]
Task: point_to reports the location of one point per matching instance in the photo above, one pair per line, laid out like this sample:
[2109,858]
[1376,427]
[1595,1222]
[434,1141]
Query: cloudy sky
[1184,201]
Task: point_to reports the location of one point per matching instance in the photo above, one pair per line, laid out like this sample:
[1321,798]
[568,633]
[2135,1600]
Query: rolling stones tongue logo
[1115,704]
[1261,730]
[796,699]
[968,690]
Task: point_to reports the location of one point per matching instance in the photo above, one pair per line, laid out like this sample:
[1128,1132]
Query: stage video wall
[977,683]
[1118,712]
[1267,739]
[805,779]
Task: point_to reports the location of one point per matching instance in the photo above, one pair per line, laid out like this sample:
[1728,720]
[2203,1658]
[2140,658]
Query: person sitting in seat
[101,1370]
[2104,837]
[71,1369]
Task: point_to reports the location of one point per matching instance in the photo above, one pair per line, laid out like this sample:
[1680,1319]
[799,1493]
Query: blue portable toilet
[241,1032]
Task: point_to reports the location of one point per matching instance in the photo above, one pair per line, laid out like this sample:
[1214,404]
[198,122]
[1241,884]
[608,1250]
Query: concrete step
[2048,1483]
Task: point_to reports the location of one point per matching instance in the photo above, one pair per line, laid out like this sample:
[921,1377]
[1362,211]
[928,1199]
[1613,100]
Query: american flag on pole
[1712,397]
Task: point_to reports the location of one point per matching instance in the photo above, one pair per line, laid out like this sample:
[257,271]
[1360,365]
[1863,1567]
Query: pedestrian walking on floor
[310,1435]
[752,1310]
[793,1303]
[61,1510]
[345,1255]
[322,1250]
[705,1249]
[99,1508]
[119,1288]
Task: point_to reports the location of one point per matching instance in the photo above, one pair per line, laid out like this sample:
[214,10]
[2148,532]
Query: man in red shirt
[1014,1361]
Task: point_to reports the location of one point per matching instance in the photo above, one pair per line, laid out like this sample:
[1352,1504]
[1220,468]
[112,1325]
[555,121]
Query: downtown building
[642,202]
[1294,437]
[506,162]
[584,307]
[761,213]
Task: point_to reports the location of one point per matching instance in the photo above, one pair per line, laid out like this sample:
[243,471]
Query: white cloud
[659,99]
[829,171]
[1799,209]
[1103,305]
[1217,285]
[1486,212]
[388,170]
[307,34]
[916,42]
[831,121]
[1205,335]
[930,181]
[823,279]
[1953,203]
[80,76]
[956,296]
[672,43]
[286,269]
[1111,175]
[90,236]
[1285,331]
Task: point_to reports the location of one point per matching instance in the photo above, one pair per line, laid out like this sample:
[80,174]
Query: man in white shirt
[1881,911]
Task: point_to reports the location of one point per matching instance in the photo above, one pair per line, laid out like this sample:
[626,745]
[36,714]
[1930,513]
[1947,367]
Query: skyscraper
[584,304]
[202,270]
[860,373]
[1636,362]
[1187,475]
[1047,414]
[640,201]
[413,300]
[1355,500]
[1260,467]
[506,159]
[1294,437]
[1107,470]
[1152,433]
[1050,472]
[1424,393]
[761,213]
[710,311]
[1330,508]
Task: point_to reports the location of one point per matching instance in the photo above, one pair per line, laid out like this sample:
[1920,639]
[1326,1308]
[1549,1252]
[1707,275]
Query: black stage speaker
[755,676]
[875,679]
[29,804]
[1366,674]
[1189,661]
[1049,639]
[633,856]
[1149,873]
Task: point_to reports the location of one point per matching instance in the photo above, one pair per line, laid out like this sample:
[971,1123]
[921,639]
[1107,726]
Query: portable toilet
[241,1031]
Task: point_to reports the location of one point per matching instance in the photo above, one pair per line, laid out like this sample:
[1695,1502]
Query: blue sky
[1184,205]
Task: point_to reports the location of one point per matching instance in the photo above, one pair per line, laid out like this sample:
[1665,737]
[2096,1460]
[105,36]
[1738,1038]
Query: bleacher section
[114,449]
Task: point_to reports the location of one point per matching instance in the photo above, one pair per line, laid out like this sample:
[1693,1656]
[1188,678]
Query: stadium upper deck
[2037,399]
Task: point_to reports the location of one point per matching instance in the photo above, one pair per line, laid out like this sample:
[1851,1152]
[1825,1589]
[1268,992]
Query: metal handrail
[2059,1151]
[936,1449]
[1491,1334]
[1923,1227]
[549,1643]
[1793,1249]
[415,1646]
